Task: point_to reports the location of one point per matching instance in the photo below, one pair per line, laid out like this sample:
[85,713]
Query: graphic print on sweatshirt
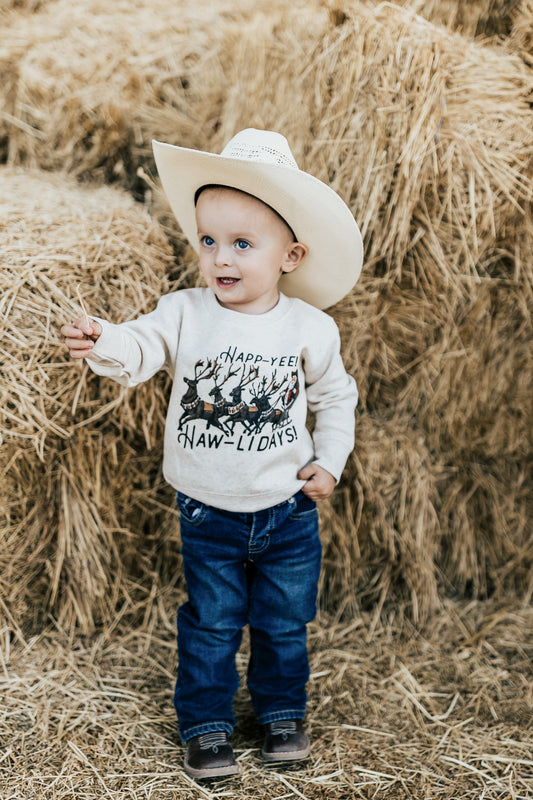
[241,400]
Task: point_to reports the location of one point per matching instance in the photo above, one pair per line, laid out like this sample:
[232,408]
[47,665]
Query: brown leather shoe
[210,755]
[285,740]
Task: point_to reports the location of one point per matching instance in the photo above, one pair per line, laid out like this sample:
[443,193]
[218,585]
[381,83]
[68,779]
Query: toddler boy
[250,355]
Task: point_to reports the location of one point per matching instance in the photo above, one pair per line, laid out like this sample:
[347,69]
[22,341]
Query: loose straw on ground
[391,713]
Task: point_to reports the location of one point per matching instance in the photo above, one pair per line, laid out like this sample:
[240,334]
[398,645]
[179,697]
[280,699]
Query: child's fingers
[80,353]
[79,344]
[319,483]
[306,472]
[72,332]
[80,329]
[80,336]
[315,492]
[89,327]
[95,329]
[79,348]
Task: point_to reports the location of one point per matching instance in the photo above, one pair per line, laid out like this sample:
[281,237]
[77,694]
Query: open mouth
[227,281]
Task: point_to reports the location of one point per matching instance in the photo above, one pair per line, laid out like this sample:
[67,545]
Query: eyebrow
[234,236]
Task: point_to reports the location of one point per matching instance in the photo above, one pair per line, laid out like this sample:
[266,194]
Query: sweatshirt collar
[248,320]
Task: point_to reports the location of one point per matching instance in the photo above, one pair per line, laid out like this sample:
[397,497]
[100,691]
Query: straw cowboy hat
[261,163]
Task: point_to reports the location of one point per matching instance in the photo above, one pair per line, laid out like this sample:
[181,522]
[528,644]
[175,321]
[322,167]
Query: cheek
[203,263]
[205,272]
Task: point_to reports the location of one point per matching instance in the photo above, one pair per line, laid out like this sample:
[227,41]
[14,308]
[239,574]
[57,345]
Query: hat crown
[267,147]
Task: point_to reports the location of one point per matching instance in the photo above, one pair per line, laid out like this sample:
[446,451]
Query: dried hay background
[482,18]
[85,85]
[428,137]
[521,38]
[81,457]
[419,115]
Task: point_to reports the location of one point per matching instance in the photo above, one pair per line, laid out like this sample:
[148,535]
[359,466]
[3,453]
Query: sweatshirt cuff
[329,466]
[98,353]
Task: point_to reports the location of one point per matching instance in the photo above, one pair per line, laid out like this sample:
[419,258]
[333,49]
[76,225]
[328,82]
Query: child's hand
[80,336]
[320,483]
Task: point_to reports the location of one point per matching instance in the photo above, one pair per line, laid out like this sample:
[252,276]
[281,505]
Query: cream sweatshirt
[235,433]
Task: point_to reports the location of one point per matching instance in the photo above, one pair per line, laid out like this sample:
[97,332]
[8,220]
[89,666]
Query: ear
[295,254]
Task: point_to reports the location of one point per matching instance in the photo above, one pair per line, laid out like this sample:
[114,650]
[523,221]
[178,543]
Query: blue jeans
[259,569]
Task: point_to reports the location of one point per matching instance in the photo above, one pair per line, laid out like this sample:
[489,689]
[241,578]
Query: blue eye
[242,244]
[207,241]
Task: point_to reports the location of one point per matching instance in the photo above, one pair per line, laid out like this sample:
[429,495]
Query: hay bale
[486,512]
[22,5]
[428,138]
[471,391]
[90,82]
[461,375]
[386,331]
[481,18]
[80,457]
[381,530]
[426,135]
[463,370]
[56,236]
[521,36]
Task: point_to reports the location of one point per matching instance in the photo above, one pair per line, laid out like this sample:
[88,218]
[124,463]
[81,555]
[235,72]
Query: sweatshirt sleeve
[132,352]
[332,396]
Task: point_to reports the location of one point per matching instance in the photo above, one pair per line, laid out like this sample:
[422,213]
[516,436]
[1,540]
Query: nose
[223,256]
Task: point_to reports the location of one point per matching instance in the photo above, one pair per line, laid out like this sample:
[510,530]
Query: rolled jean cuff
[277,716]
[206,727]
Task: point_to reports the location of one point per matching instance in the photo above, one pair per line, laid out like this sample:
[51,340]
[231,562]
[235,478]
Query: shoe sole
[296,755]
[214,772]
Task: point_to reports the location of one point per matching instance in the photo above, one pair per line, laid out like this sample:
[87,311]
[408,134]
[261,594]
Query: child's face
[244,249]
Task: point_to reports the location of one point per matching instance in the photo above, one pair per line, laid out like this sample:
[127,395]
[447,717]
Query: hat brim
[318,216]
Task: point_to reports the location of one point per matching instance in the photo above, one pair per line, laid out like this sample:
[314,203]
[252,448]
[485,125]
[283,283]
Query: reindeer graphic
[220,405]
[270,400]
[238,410]
[196,408]
[262,398]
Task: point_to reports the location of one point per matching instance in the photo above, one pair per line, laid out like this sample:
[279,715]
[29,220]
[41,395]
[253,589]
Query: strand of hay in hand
[86,451]
[82,304]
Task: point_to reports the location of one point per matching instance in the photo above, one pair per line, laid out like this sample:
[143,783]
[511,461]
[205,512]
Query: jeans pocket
[192,511]
[305,507]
